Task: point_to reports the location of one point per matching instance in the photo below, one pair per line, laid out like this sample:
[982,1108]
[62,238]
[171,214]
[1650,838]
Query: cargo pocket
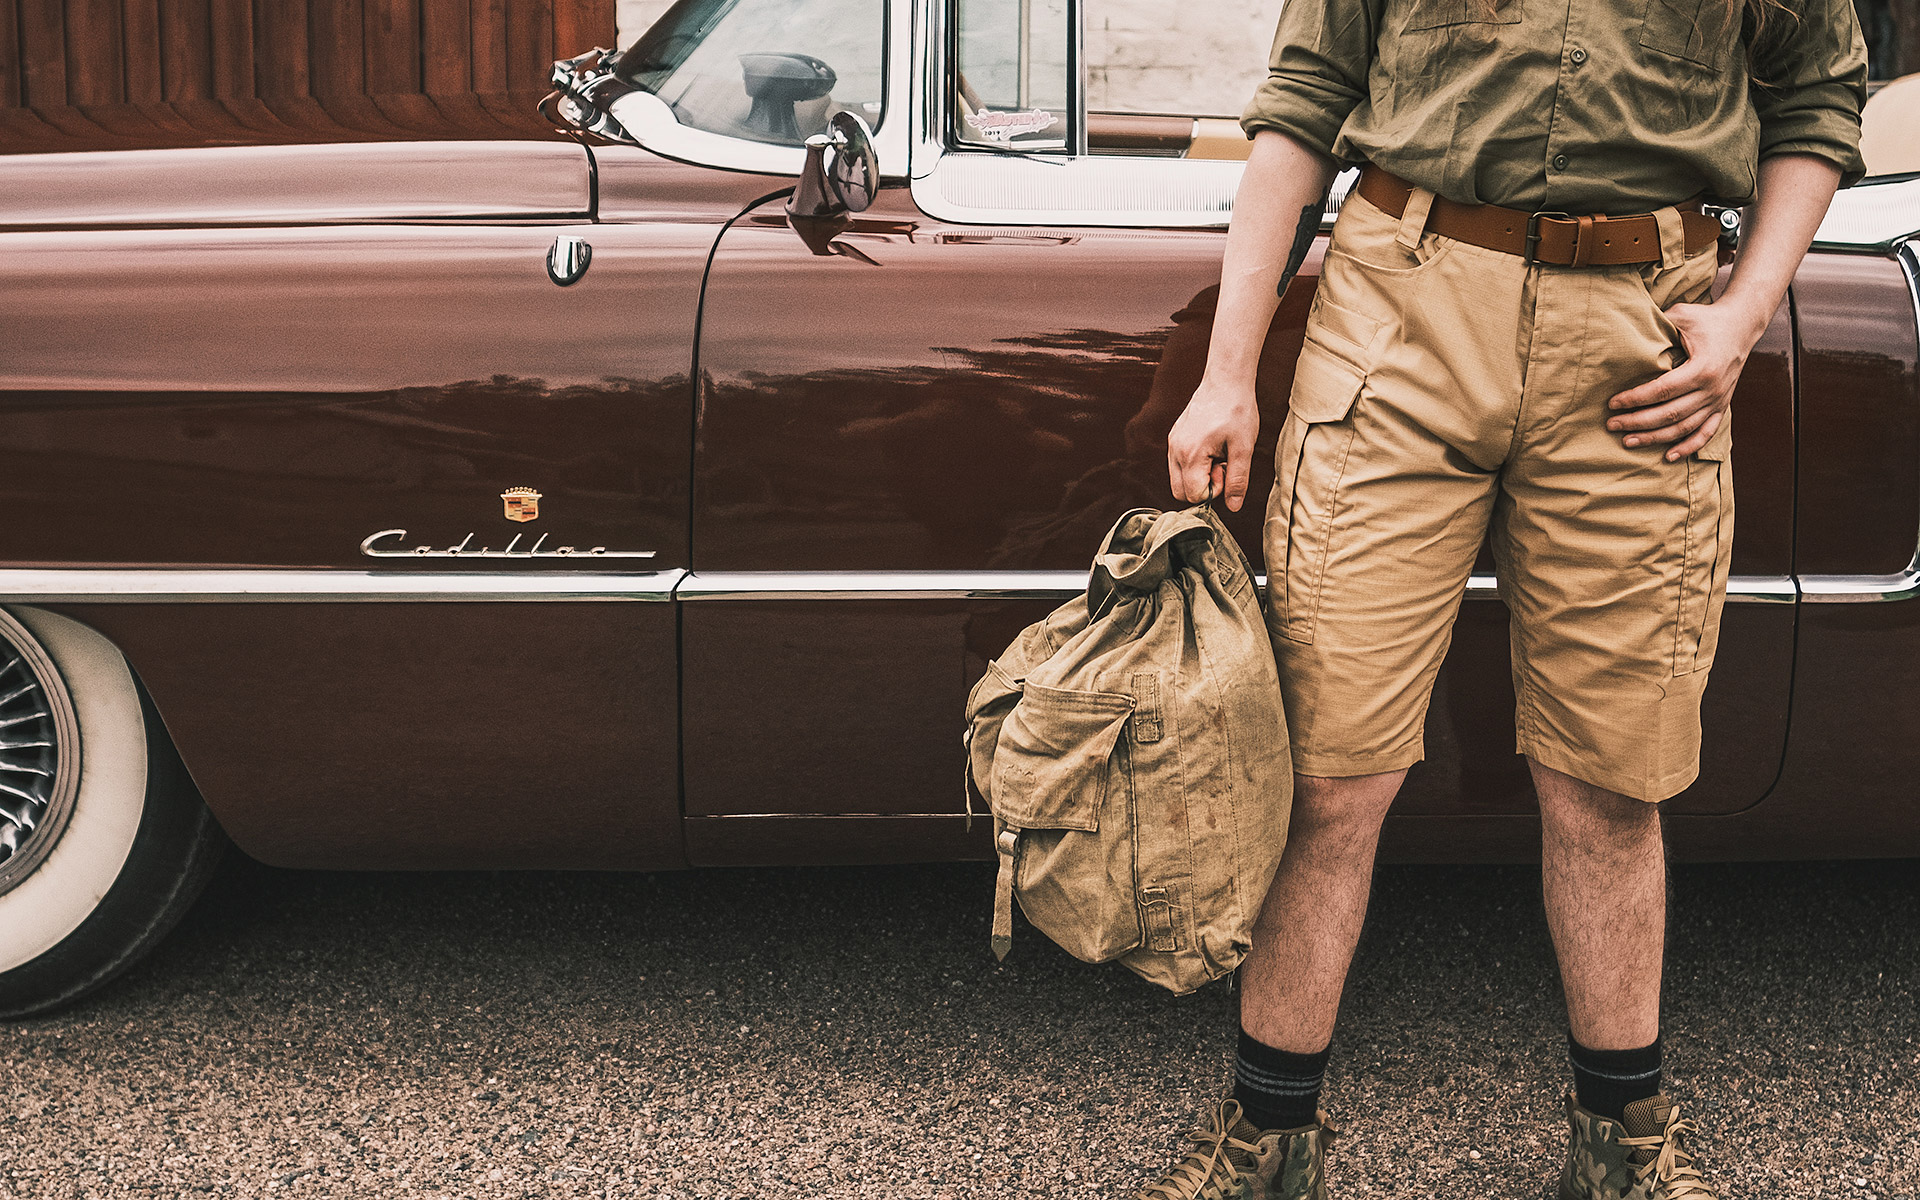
[1062,793]
[1309,464]
[1707,551]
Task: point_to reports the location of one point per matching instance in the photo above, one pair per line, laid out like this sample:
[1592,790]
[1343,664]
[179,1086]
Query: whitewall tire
[106,842]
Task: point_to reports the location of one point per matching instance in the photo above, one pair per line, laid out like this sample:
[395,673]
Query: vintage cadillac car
[613,501]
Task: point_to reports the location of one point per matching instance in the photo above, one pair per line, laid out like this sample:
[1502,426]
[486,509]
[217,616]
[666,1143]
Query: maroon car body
[243,389]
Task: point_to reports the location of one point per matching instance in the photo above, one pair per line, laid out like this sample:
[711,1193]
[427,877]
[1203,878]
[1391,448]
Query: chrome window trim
[1198,193]
[1874,214]
[1876,589]
[652,124]
[294,586]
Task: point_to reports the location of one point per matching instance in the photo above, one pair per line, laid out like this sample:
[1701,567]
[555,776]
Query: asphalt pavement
[769,1034]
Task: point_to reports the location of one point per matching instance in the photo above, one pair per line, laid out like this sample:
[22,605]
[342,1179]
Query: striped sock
[1606,1081]
[1278,1089]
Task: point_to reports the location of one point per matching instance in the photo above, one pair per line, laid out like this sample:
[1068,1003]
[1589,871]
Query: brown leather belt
[1561,239]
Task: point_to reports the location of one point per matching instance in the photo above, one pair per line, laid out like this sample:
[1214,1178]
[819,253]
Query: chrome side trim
[881,585]
[167,586]
[293,586]
[808,816]
[1762,589]
[1032,585]
[1862,589]
[1874,589]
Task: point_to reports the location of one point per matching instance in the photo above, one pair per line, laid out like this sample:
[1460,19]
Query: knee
[1354,805]
[1577,811]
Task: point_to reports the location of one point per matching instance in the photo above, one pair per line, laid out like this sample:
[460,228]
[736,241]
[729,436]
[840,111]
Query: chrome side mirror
[584,89]
[841,172]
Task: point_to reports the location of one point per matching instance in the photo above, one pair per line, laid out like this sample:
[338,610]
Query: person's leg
[1383,487]
[1613,565]
[1604,879]
[1303,941]
[1291,979]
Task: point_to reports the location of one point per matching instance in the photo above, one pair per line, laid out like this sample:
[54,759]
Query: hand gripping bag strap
[1142,571]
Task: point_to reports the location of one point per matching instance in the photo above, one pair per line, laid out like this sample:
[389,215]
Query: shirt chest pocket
[1442,14]
[1699,31]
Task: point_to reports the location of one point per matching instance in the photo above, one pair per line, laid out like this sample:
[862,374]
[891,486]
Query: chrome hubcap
[39,754]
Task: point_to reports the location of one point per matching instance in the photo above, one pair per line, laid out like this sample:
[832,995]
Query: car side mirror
[841,172]
[839,177]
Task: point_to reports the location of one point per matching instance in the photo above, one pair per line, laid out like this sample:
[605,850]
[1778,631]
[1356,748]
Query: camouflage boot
[1231,1160]
[1643,1157]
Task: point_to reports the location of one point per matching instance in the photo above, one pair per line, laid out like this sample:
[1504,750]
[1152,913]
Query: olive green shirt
[1582,106]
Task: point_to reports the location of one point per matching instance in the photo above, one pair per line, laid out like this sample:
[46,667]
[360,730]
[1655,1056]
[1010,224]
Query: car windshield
[767,70]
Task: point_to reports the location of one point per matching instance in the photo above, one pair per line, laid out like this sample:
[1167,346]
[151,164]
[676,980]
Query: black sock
[1276,1089]
[1606,1081]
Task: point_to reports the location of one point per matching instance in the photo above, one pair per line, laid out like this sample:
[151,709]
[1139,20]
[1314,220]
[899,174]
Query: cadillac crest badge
[523,503]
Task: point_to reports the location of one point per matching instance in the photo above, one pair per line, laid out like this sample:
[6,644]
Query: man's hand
[1210,448]
[1687,404]
[1276,213]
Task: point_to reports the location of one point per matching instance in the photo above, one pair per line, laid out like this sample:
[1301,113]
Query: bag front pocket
[1061,790]
[1051,768]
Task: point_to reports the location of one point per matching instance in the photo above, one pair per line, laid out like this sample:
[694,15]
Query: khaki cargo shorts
[1446,390]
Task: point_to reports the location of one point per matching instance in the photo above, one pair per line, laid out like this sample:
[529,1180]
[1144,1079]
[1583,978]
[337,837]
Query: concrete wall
[1204,57]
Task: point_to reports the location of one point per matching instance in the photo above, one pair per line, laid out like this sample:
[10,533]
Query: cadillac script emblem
[523,503]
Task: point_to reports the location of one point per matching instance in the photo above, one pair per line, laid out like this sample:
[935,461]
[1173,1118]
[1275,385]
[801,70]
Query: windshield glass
[767,70]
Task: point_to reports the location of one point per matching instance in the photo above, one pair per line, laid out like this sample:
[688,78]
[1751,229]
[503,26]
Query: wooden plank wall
[109,74]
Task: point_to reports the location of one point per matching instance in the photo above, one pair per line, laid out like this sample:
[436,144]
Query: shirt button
[1577,55]
[1559,162]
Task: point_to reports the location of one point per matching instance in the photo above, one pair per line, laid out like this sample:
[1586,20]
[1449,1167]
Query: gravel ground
[842,1033]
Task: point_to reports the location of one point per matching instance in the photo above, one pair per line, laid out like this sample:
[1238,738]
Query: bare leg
[1303,942]
[1604,876]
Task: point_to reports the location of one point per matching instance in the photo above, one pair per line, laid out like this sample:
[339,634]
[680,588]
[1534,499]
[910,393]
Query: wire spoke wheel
[39,754]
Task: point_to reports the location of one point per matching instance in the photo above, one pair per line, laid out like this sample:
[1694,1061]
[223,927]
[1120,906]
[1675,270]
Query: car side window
[1158,80]
[1010,83]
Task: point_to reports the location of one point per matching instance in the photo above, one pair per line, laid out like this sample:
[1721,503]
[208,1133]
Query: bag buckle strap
[1007,844]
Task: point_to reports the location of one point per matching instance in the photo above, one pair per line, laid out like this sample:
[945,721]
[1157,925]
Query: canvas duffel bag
[1133,750]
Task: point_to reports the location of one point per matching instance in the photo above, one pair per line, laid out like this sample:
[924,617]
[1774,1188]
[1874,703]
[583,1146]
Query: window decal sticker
[997,126]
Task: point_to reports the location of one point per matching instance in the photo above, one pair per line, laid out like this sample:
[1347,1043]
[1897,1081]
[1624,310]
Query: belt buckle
[1533,233]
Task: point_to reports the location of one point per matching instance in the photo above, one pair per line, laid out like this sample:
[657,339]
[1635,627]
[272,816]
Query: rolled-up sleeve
[1317,72]
[1810,85]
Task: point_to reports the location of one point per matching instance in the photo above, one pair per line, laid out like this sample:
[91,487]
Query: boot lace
[1671,1169]
[1207,1172]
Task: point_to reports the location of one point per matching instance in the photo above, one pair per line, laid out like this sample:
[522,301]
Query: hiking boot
[1641,1157]
[1231,1160]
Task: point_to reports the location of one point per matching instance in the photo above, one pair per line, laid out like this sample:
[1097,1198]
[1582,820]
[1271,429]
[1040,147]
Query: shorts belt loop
[1673,236]
[1413,221]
